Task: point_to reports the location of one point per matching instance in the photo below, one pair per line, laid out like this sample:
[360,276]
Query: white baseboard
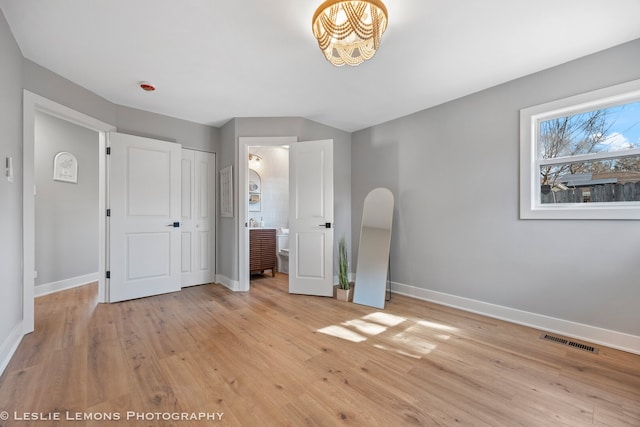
[233,285]
[10,345]
[618,340]
[49,288]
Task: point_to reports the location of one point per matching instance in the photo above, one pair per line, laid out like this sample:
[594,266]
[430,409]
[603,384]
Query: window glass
[595,181]
[604,130]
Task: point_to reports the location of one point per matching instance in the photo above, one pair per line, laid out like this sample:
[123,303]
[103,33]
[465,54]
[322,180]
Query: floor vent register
[573,344]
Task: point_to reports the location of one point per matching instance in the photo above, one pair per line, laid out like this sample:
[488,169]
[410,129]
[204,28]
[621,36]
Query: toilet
[282,249]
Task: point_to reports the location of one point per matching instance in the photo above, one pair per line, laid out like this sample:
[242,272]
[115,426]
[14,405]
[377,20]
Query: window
[580,156]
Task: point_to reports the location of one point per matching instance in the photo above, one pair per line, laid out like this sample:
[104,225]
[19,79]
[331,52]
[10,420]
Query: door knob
[174,225]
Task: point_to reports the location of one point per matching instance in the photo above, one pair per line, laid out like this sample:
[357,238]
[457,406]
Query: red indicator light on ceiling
[148,87]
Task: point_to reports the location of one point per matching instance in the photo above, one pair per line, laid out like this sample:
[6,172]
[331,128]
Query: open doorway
[33,103]
[66,204]
[268,211]
[311,214]
[263,206]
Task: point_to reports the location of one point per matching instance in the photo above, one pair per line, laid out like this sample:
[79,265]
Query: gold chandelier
[349,32]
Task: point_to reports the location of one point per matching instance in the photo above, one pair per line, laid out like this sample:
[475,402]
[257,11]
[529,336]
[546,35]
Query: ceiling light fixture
[349,32]
[254,161]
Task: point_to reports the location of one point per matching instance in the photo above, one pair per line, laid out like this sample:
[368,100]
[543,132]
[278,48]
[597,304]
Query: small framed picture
[65,167]
[226,192]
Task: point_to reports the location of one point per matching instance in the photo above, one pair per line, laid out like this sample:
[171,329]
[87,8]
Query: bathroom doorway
[268,211]
[264,209]
[311,214]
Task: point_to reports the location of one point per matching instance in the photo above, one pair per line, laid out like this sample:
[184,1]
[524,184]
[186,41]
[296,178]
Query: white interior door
[311,218]
[144,199]
[198,217]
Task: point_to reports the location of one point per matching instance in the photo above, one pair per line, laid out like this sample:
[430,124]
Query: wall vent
[573,344]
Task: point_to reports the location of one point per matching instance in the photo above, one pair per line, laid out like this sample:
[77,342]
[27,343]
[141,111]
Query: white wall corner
[61,285]
[232,285]
[618,340]
[10,345]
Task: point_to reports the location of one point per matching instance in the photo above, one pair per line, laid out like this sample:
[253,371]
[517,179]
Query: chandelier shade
[349,32]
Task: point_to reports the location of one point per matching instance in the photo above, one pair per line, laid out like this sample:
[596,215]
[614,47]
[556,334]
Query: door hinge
[108,150]
[108,275]
[108,212]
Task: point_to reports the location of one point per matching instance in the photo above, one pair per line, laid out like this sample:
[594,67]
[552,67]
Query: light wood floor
[267,358]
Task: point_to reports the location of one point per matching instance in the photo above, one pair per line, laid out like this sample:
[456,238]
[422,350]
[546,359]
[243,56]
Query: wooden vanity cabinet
[262,250]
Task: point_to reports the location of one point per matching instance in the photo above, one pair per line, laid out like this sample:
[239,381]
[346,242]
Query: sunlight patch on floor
[385,318]
[412,342]
[344,333]
[366,327]
[412,337]
[434,325]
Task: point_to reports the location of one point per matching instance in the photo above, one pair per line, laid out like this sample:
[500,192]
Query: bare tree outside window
[569,136]
[591,132]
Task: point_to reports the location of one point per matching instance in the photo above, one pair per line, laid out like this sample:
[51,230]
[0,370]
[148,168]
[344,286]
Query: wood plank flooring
[267,358]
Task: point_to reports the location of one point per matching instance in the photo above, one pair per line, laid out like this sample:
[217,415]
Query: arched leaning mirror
[374,247]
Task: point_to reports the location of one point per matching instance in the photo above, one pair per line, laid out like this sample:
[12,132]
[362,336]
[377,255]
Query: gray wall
[45,83]
[305,130]
[66,214]
[10,193]
[227,232]
[151,125]
[454,172]
[50,85]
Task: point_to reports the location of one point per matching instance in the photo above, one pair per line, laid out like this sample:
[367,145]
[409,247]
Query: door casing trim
[32,103]
[243,203]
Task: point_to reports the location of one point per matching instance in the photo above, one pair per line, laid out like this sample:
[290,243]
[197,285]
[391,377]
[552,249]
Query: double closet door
[198,217]
[161,226]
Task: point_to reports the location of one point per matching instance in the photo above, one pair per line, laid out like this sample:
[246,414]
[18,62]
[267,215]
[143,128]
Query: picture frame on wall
[226,192]
[65,167]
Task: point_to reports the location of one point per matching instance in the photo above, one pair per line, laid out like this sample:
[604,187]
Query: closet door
[144,226]
[198,217]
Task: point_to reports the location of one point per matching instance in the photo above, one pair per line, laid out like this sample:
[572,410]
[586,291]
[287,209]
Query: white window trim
[530,205]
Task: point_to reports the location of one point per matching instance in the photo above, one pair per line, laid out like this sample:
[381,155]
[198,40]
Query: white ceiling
[212,60]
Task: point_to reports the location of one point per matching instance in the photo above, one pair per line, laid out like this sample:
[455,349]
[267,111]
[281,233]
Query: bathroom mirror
[255,188]
[373,251]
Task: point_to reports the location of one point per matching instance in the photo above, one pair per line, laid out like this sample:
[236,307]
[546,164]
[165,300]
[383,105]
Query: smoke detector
[147,87]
